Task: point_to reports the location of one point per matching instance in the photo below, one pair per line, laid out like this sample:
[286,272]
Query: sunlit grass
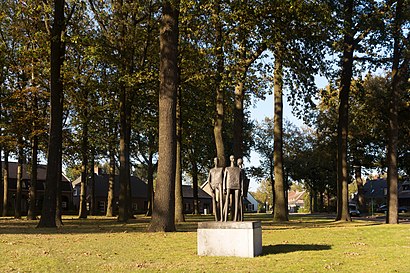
[100,244]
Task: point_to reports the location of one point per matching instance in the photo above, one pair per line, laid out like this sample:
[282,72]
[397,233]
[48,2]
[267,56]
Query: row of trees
[111,62]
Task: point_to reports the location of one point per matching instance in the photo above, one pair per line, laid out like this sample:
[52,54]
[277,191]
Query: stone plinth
[239,239]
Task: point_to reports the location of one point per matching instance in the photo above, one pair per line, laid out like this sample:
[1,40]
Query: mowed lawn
[305,244]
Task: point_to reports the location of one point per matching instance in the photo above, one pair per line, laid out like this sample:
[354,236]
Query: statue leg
[236,202]
[226,206]
[220,204]
[215,208]
[241,208]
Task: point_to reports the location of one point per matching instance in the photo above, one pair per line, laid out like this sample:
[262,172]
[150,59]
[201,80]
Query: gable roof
[41,171]
[138,187]
[188,192]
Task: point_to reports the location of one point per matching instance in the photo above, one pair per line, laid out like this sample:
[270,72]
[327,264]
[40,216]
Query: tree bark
[179,202]
[5,184]
[393,132]
[279,214]
[82,213]
[93,208]
[220,97]
[360,187]
[19,180]
[342,129]
[195,187]
[150,186]
[111,181]
[32,211]
[163,215]
[48,215]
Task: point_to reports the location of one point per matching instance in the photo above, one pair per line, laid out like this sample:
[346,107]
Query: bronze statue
[232,185]
[215,180]
[244,188]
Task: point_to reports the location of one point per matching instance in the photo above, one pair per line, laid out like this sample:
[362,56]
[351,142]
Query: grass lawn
[100,244]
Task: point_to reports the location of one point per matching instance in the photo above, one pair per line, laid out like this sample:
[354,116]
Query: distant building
[296,200]
[139,190]
[375,192]
[65,185]
[204,200]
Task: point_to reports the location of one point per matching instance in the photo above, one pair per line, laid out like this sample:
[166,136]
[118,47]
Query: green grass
[305,244]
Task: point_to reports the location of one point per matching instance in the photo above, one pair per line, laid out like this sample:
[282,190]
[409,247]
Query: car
[384,208]
[353,211]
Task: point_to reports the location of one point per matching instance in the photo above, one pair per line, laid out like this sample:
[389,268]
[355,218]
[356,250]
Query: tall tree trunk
[19,180]
[238,119]
[220,97]
[111,182]
[59,200]
[279,214]
[272,179]
[343,121]
[48,214]
[179,202]
[124,176]
[393,132]
[150,186]
[5,183]
[1,174]
[360,187]
[92,184]
[163,215]
[82,213]
[32,211]
[195,187]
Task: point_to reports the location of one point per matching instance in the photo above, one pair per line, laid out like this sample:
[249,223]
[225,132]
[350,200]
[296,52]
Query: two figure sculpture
[228,187]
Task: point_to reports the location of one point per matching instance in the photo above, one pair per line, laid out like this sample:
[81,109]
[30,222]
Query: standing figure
[232,185]
[244,188]
[215,180]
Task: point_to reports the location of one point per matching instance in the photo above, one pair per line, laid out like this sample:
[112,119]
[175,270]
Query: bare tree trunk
[360,187]
[150,190]
[124,176]
[32,211]
[392,173]
[220,97]
[19,180]
[195,187]
[163,215]
[111,181]
[48,214]
[279,214]
[92,181]
[179,202]
[5,183]
[342,129]
[82,213]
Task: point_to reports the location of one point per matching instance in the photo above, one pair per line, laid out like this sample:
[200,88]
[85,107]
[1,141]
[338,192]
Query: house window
[75,192]
[101,206]
[385,191]
[135,206]
[64,205]
[406,187]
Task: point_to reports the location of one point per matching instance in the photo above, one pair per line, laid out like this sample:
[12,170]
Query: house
[65,185]
[204,200]
[139,190]
[375,192]
[296,200]
[249,202]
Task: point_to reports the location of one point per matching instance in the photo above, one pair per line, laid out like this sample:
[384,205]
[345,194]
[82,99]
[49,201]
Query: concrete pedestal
[239,239]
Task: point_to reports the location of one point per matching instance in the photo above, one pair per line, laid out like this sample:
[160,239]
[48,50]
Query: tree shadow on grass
[287,248]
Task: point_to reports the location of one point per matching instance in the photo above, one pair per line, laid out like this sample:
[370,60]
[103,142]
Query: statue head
[216,161]
[239,162]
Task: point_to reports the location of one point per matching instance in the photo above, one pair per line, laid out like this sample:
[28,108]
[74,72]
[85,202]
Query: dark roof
[187,192]
[374,188]
[138,187]
[41,177]
[41,171]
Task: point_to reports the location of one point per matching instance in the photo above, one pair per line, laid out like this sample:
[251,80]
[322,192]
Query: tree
[164,200]
[48,214]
